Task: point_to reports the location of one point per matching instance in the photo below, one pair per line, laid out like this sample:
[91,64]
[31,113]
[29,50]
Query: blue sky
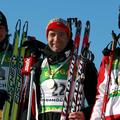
[103,16]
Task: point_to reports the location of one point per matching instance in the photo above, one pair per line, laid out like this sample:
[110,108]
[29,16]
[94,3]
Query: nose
[57,37]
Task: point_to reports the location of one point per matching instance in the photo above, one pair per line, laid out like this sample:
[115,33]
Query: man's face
[3,33]
[57,40]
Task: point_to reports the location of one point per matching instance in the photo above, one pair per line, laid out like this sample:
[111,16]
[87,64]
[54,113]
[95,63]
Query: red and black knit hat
[58,23]
[3,21]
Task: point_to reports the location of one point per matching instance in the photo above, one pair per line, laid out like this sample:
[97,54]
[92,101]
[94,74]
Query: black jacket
[90,83]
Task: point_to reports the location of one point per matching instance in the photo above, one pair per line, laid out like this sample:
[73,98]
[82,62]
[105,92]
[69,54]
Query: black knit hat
[3,21]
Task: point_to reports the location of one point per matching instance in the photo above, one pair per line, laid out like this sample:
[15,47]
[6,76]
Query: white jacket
[112,109]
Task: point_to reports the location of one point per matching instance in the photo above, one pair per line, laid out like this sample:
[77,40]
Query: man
[107,104]
[53,77]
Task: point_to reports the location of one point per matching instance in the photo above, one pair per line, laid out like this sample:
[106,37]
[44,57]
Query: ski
[70,79]
[78,98]
[32,75]
[12,72]
[18,77]
[113,46]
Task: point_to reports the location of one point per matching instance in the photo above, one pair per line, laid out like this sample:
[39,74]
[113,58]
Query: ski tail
[70,81]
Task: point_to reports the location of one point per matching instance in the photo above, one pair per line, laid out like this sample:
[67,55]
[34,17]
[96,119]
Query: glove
[34,46]
[3,97]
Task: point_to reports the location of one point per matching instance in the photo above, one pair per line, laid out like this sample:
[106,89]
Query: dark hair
[3,21]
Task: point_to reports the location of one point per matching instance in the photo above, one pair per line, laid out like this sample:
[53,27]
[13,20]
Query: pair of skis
[14,77]
[73,103]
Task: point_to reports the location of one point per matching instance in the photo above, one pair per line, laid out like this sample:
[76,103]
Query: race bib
[3,78]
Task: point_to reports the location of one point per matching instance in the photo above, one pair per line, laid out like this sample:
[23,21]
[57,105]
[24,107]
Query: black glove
[3,97]
[34,46]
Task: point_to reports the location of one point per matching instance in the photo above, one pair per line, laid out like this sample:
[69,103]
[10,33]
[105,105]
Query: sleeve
[36,90]
[102,76]
[90,84]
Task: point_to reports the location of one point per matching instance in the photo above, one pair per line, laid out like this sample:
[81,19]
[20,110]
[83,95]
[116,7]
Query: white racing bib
[3,78]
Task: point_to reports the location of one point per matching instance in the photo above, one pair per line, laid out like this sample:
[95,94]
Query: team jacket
[112,109]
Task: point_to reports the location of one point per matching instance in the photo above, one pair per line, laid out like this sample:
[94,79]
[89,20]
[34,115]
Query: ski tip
[88,24]
[18,25]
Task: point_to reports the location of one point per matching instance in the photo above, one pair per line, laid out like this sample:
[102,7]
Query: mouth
[56,48]
[56,45]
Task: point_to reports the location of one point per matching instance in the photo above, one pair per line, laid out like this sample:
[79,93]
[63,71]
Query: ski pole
[25,71]
[32,73]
